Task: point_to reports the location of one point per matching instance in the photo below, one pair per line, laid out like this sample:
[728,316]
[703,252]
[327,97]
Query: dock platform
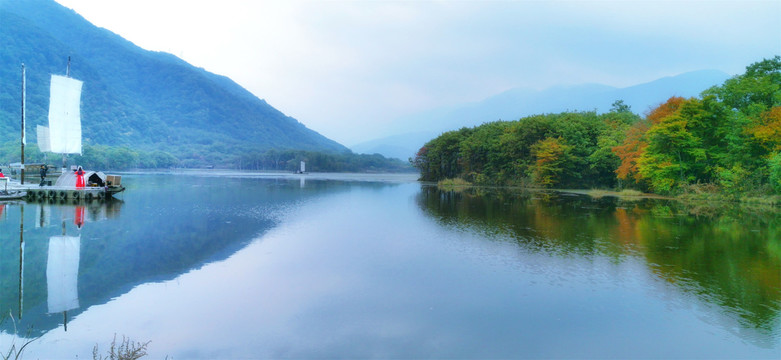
[66,193]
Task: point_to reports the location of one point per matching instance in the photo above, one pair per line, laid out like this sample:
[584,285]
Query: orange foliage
[768,132]
[666,109]
[630,151]
[634,144]
[624,230]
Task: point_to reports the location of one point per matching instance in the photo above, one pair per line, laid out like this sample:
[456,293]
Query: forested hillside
[728,138]
[136,104]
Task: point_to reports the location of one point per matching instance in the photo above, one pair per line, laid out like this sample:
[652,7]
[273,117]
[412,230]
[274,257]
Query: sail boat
[63,136]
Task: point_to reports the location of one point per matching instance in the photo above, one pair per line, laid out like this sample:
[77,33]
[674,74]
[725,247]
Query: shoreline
[773,201]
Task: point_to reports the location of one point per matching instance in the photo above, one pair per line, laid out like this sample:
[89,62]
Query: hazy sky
[348,68]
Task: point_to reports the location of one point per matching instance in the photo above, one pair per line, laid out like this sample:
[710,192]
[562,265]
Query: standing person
[80,178]
[1,173]
[44,169]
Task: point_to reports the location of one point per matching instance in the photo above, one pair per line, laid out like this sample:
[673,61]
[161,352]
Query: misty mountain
[133,97]
[517,103]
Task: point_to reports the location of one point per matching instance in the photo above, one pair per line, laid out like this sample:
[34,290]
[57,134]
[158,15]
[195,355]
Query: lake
[238,265]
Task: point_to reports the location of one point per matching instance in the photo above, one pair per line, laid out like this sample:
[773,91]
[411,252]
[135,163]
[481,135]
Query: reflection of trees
[730,261]
[728,257]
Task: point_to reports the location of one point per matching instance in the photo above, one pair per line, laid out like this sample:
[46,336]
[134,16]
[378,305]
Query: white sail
[65,115]
[43,138]
[62,272]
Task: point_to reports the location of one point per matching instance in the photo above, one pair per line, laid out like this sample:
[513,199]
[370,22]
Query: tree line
[289,160]
[729,138]
[103,157]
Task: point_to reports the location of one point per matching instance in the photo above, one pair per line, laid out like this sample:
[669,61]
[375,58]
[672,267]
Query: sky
[348,69]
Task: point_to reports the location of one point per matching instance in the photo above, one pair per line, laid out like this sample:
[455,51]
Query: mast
[24,139]
[21,260]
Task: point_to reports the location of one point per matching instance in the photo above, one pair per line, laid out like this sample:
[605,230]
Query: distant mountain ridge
[520,102]
[131,96]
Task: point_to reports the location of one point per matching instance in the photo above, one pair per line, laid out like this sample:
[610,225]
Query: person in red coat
[80,178]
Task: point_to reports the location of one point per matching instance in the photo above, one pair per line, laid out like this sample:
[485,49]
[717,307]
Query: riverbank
[692,196]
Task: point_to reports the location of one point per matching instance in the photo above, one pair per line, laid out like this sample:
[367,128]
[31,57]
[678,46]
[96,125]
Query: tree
[758,87]
[629,152]
[620,107]
[774,165]
[675,155]
[767,130]
[604,161]
[553,160]
[665,109]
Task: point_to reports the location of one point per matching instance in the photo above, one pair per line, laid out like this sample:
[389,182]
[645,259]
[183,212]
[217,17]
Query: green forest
[727,140]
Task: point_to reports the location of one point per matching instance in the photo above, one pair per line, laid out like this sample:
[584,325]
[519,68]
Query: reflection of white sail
[42,216]
[62,272]
[65,116]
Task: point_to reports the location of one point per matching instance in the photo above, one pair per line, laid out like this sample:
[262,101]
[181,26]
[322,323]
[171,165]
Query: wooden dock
[67,193]
[99,187]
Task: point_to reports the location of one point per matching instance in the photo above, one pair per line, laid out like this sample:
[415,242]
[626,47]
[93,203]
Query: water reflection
[726,257]
[63,257]
[62,275]
[46,256]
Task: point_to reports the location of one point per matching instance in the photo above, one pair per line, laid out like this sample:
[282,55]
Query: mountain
[133,97]
[402,146]
[517,103]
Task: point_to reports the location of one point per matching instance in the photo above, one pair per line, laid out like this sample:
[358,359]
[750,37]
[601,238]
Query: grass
[453,184]
[772,200]
[126,350]
[15,352]
[712,193]
[630,193]
[626,193]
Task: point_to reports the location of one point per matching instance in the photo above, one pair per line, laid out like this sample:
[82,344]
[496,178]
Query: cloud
[349,68]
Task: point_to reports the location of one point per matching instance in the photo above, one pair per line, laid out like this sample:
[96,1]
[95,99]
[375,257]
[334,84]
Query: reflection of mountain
[730,259]
[168,226]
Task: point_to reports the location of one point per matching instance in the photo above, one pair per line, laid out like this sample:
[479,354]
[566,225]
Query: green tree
[619,106]
[603,161]
[774,166]
[674,155]
[759,87]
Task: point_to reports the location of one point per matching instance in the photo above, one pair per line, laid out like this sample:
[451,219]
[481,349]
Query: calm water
[236,265]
